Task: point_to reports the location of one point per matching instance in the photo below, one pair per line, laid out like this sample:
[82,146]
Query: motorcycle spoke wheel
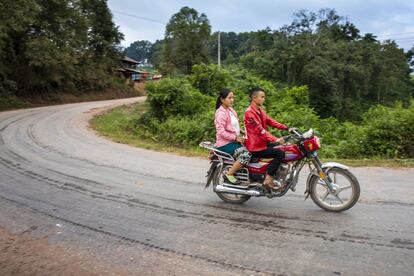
[345,195]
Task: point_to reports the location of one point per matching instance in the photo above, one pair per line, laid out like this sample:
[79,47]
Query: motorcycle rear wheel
[227,197]
[344,181]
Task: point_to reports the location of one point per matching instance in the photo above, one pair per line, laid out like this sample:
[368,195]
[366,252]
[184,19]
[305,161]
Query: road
[116,209]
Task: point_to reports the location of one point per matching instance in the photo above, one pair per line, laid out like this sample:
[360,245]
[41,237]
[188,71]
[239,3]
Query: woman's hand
[240,139]
[280,140]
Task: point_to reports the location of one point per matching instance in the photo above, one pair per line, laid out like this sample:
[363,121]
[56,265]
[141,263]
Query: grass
[388,163]
[115,125]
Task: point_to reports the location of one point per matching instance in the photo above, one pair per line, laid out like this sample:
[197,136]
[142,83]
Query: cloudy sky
[145,20]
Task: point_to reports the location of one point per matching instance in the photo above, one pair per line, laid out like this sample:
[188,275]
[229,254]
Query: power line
[405,39]
[402,39]
[139,17]
[396,34]
[395,38]
[160,22]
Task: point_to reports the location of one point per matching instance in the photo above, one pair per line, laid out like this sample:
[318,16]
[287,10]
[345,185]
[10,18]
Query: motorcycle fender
[326,167]
[214,166]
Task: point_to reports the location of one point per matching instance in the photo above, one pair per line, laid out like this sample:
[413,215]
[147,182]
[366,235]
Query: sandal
[231,179]
[267,191]
[269,186]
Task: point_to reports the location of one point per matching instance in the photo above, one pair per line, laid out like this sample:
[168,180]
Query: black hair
[254,91]
[222,95]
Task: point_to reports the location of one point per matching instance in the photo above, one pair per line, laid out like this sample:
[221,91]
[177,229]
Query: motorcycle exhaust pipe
[239,191]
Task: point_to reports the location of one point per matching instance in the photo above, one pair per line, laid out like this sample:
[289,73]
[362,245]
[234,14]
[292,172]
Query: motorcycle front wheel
[227,197]
[346,194]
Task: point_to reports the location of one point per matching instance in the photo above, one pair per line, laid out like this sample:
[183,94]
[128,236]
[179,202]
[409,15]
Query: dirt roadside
[22,254]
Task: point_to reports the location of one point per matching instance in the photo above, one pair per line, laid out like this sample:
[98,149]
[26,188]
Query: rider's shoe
[230,179]
[270,186]
[267,191]
[269,183]
[277,185]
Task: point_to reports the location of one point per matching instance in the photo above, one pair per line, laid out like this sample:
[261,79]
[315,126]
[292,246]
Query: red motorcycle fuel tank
[292,153]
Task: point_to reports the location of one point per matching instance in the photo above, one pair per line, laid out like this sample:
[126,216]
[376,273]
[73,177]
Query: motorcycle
[330,185]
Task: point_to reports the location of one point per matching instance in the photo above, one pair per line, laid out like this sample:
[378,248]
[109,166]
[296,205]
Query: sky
[145,20]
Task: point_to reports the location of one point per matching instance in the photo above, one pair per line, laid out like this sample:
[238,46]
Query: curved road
[147,212]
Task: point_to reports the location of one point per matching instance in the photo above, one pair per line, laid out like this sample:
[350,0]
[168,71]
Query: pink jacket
[225,132]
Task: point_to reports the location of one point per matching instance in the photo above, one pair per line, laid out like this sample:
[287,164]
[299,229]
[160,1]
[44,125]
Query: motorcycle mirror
[308,134]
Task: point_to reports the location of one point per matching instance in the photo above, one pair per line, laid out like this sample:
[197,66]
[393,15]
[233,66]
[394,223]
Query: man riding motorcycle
[332,186]
[258,138]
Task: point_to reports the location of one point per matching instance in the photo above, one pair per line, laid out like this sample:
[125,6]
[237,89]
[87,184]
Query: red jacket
[257,136]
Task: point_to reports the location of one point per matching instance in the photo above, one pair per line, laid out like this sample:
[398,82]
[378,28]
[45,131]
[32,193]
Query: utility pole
[219,54]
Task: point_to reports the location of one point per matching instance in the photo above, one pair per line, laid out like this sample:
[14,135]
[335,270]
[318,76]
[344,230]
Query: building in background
[129,70]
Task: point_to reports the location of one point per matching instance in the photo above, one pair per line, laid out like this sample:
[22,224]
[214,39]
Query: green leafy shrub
[389,131]
[8,99]
[184,131]
[291,107]
[209,79]
[181,115]
[348,141]
[174,97]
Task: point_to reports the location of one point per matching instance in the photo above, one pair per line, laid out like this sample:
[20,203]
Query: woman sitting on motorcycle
[228,137]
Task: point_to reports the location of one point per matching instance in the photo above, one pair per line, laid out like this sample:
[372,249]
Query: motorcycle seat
[254,160]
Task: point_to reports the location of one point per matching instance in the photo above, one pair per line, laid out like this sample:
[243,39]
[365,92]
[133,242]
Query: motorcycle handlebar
[295,131]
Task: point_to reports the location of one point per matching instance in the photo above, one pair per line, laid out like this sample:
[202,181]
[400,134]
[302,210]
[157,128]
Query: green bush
[242,82]
[174,97]
[8,99]
[349,142]
[385,132]
[187,131]
[181,115]
[291,107]
[389,131]
[209,79]
[177,130]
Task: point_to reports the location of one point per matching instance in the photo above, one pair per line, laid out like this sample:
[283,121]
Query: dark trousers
[270,152]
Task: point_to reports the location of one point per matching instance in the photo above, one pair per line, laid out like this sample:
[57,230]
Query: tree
[209,79]
[346,72]
[233,46]
[410,59]
[139,50]
[49,45]
[45,50]
[16,17]
[155,57]
[186,41]
[103,35]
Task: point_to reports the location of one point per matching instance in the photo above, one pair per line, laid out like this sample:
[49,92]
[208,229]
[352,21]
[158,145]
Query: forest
[318,71]
[346,71]
[47,46]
